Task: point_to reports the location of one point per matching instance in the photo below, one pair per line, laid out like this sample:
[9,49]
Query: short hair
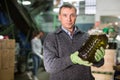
[67,5]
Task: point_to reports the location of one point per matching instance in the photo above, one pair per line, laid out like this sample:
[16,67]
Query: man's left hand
[99,54]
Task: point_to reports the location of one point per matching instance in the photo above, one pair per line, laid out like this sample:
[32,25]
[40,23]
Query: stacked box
[103,76]
[107,68]
[7,59]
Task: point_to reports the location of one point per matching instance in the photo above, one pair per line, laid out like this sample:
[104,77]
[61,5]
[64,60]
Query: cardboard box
[7,59]
[7,74]
[103,76]
[110,58]
[10,43]
[7,43]
[0,61]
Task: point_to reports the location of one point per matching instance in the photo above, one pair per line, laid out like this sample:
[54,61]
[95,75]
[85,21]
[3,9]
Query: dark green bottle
[94,42]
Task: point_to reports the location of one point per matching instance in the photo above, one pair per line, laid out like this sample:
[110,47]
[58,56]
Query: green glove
[77,60]
[99,54]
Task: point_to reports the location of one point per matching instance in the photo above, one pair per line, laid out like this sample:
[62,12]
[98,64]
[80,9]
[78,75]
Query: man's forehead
[67,9]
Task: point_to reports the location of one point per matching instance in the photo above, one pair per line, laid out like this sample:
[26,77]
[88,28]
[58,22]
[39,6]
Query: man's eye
[73,15]
[64,15]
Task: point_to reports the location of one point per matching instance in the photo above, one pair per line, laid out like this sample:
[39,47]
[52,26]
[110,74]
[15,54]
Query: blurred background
[19,18]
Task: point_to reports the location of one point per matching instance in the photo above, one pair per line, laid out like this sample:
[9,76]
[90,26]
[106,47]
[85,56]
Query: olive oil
[94,42]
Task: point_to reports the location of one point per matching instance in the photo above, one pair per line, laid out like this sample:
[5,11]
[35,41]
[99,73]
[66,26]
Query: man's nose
[69,18]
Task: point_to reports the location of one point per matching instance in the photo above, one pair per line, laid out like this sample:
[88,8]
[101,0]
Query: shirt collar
[67,30]
[60,29]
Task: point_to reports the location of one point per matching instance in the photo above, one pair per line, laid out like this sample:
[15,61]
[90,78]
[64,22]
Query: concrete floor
[42,75]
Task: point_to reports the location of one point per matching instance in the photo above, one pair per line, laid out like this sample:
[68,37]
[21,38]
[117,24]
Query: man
[60,49]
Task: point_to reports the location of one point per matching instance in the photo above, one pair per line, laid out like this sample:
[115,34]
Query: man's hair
[67,5]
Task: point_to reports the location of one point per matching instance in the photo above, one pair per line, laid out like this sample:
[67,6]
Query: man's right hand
[77,60]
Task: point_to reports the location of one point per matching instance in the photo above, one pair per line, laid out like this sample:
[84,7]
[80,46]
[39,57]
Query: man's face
[67,17]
